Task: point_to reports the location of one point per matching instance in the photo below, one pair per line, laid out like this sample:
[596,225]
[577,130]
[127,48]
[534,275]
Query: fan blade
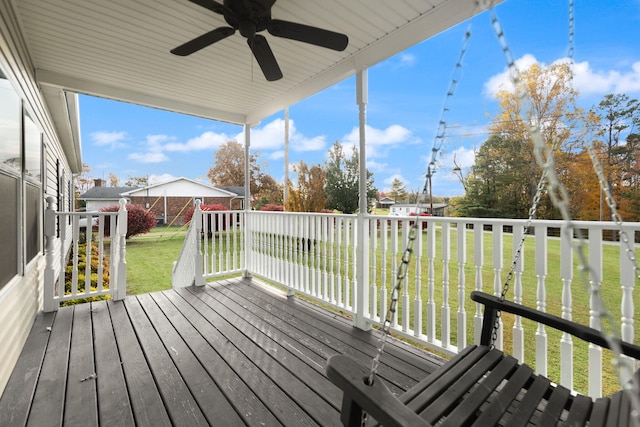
[203,41]
[213,6]
[305,33]
[261,50]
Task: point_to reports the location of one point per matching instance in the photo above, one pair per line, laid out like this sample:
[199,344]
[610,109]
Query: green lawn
[150,259]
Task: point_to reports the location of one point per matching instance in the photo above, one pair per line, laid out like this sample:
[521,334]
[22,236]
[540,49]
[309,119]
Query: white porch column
[362,261]
[49,272]
[247,202]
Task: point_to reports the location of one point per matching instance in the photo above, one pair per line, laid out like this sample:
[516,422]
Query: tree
[505,176]
[81,182]
[270,192]
[619,119]
[114,181]
[228,169]
[343,181]
[137,181]
[398,191]
[309,195]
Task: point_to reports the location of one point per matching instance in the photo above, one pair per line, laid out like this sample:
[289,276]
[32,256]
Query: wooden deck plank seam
[296,389]
[269,391]
[403,351]
[395,361]
[273,346]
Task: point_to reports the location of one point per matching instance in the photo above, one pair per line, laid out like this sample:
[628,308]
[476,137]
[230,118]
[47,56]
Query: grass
[150,259]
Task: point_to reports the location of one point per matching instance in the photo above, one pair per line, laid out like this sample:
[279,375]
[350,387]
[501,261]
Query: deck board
[234,352]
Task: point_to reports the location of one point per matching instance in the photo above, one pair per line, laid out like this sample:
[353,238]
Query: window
[9,261]
[10,180]
[21,173]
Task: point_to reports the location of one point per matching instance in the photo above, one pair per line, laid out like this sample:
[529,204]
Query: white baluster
[121,290]
[198,269]
[627,282]
[384,230]
[405,281]
[445,311]
[431,304]
[417,303]
[478,260]
[518,330]
[595,352]
[541,304]
[462,261]
[339,260]
[100,254]
[566,273]
[394,264]
[373,288]
[498,252]
[88,255]
[331,232]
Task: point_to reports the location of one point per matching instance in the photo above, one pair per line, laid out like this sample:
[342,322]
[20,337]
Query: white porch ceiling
[119,49]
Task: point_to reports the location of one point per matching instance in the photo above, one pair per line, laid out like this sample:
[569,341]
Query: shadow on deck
[235,352]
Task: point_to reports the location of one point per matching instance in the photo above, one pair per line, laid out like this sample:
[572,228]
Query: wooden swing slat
[483,386]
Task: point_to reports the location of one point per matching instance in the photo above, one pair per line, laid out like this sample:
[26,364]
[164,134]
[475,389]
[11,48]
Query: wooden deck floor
[231,353]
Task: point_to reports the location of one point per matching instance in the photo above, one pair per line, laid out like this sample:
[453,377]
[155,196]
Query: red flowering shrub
[220,225]
[139,220]
[272,208]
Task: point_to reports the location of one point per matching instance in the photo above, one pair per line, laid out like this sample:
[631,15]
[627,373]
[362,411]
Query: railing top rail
[604,225]
[92,213]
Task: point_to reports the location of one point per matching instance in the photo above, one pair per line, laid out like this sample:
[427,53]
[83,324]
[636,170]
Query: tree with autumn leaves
[228,171]
[504,178]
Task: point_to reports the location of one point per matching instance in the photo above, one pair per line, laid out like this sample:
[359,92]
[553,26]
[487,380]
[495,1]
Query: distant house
[404,209]
[170,200]
[101,196]
[385,202]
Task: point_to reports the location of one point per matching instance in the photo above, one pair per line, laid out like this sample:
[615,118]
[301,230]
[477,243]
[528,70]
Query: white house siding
[21,297]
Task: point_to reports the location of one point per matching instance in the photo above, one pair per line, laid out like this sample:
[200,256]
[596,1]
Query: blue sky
[406,94]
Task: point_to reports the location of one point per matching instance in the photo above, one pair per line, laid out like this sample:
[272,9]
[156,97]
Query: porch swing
[481,385]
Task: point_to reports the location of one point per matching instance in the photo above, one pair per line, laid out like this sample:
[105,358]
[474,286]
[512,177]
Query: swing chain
[408,251]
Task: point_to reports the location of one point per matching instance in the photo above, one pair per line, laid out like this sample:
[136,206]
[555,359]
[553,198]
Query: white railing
[352,266]
[64,233]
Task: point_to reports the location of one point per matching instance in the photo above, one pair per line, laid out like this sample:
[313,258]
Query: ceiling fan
[252,16]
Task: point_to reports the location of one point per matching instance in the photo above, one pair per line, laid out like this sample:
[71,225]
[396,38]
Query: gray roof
[105,193]
[237,190]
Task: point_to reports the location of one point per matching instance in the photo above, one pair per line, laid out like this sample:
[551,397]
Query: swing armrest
[493,304]
[376,400]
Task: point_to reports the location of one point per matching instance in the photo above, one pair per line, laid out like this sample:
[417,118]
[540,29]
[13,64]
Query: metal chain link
[560,199]
[408,251]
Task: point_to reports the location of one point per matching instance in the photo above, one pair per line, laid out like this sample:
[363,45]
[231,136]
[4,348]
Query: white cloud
[149,157]
[406,60]
[111,139]
[154,150]
[271,137]
[586,80]
[502,81]
[379,141]
[206,141]
[589,81]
